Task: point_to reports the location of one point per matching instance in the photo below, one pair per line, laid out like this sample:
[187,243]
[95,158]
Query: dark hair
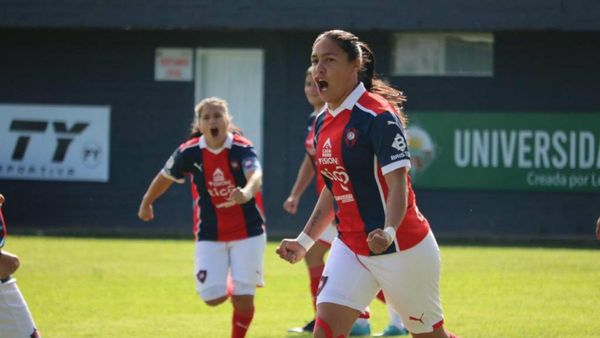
[356,49]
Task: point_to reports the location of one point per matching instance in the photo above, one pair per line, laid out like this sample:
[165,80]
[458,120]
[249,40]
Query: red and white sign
[173,64]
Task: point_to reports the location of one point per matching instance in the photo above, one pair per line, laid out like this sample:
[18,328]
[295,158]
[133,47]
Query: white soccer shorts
[241,259]
[409,279]
[15,318]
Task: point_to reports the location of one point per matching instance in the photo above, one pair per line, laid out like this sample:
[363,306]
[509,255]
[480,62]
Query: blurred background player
[226,179]
[15,318]
[384,242]
[315,257]
[598,229]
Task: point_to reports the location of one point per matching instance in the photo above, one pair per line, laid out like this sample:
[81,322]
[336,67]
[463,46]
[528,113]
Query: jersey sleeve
[176,167]
[389,142]
[249,160]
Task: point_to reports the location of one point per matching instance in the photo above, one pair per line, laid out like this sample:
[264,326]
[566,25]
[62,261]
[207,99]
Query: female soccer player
[15,318]
[229,226]
[384,242]
[315,257]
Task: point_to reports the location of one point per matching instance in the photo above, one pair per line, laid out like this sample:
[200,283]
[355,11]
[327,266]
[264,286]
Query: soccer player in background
[228,220]
[598,229]
[315,257]
[384,242]
[15,318]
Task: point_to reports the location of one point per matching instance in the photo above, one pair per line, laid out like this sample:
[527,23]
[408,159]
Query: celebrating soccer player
[384,241]
[228,222]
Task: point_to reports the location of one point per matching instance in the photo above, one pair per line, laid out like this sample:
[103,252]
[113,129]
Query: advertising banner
[505,151]
[54,142]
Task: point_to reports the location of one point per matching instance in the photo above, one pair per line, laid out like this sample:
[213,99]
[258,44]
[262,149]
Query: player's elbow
[13,265]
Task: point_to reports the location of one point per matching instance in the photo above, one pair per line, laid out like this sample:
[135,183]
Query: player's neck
[215,144]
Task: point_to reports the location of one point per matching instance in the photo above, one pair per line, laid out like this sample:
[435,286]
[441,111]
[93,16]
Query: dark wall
[544,71]
[486,15]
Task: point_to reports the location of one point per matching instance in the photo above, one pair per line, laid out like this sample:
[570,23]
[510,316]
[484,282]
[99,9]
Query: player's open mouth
[323,85]
[214,132]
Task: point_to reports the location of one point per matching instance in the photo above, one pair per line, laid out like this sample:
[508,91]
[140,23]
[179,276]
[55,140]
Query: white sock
[15,318]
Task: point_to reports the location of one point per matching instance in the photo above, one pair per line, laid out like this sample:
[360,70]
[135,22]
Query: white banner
[54,142]
[173,64]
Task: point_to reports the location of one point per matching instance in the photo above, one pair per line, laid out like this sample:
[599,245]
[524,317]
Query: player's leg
[412,286]
[247,264]
[346,286]
[315,263]
[395,325]
[15,318]
[210,269]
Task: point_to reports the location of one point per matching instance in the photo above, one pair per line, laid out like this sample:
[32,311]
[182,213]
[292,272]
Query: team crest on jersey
[350,137]
[201,275]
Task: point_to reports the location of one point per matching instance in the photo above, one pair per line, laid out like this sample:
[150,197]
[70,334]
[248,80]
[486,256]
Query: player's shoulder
[373,104]
[189,144]
[241,141]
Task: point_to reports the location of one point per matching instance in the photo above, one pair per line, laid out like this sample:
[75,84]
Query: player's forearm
[306,172]
[397,200]
[321,215]
[157,188]
[253,183]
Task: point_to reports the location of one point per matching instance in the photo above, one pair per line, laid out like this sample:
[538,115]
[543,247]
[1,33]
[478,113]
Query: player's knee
[323,329]
[213,296]
[216,301]
[243,303]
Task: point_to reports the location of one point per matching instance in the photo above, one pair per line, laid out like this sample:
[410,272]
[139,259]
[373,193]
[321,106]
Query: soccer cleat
[393,331]
[359,330]
[302,329]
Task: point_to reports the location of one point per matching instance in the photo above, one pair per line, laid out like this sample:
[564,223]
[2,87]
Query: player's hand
[9,263]
[379,240]
[291,205]
[2,199]
[146,212]
[598,229]
[291,251]
[240,196]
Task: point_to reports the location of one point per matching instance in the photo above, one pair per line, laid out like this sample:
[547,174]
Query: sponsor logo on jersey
[198,166]
[351,137]
[347,198]
[218,176]
[234,164]
[338,175]
[399,143]
[328,160]
[326,150]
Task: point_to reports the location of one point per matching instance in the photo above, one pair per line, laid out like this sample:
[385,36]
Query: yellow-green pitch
[145,288]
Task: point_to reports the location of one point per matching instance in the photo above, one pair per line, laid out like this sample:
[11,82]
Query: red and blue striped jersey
[356,145]
[309,145]
[214,175]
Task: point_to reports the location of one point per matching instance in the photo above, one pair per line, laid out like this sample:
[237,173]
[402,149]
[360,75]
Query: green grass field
[145,288]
